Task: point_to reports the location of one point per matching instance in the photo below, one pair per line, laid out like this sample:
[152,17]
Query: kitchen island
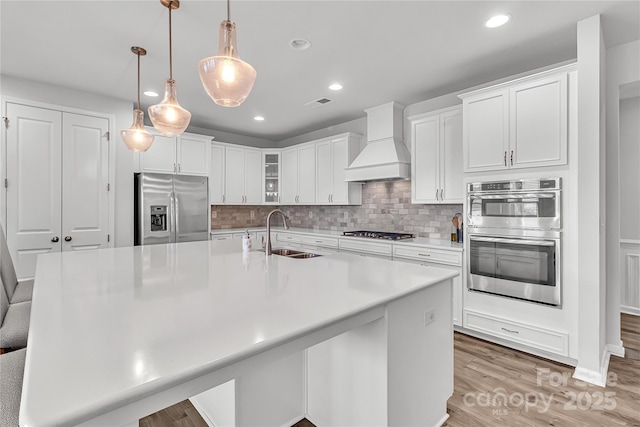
[117,334]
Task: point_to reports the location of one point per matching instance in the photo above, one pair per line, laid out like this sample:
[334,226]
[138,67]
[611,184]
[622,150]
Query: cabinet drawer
[288,238]
[383,249]
[530,335]
[324,242]
[221,236]
[428,254]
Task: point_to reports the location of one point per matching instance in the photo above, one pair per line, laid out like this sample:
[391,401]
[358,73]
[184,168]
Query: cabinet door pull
[505,158]
[423,254]
[67,239]
[329,198]
[223,198]
[175,169]
[55,239]
[511,157]
[441,194]
[178,167]
[510,331]
[436,194]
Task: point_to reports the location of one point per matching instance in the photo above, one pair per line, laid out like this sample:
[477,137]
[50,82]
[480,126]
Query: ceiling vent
[318,103]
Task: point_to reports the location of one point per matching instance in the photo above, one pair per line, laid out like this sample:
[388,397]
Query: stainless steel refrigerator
[170,208]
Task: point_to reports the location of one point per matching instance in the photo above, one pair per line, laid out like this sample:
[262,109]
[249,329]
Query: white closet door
[85,175]
[33,192]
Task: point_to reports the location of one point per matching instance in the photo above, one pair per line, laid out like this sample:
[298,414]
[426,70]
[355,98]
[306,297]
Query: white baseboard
[616,350]
[590,376]
[627,309]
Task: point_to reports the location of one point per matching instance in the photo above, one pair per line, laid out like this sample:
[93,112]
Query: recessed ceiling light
[335,86]
[300,44]
[258,118]
[497,21]
[150,93]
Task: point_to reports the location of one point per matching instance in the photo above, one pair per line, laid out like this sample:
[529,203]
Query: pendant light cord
[138,79]
[170,44]
[228,10]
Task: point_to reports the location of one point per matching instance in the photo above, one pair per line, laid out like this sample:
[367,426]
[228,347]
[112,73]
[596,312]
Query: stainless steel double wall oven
[514,235]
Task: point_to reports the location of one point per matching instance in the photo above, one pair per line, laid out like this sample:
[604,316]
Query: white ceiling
[405,51]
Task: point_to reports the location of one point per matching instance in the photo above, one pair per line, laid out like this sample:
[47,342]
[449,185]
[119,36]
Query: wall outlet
[253,214]
[214,214]
[310,214]
[429,316]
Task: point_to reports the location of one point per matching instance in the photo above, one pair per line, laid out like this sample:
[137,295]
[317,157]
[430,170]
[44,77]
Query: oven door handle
[512,196]
[515,241]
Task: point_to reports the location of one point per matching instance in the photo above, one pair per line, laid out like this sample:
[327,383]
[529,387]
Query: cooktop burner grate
[379,235]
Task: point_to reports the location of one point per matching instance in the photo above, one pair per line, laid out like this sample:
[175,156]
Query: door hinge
[108,238]
[108,136]
[6,121]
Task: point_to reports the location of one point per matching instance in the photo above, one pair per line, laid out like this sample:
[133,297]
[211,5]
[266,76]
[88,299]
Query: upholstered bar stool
[16,291]
[11,376]
[14,322]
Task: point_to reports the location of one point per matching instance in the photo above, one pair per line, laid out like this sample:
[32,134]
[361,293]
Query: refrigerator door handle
[173,236]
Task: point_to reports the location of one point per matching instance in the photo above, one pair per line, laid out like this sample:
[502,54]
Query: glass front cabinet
[271,181]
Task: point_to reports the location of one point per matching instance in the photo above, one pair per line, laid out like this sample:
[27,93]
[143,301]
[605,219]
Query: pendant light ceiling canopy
[227,79]
[168,117]
[136,138]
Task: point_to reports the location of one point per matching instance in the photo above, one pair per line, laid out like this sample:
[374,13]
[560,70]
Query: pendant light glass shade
[136,138]
[168,117]
[227,79]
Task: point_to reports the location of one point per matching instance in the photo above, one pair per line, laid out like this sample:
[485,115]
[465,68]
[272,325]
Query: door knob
[67,239]
[55,239]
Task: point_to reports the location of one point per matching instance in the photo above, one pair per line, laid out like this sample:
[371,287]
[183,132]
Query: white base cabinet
[436,166]
[519,124]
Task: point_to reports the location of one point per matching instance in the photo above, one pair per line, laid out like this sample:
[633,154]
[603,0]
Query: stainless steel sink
[291,253]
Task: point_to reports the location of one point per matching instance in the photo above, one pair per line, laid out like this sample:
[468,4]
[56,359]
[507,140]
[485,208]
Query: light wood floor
[538,392]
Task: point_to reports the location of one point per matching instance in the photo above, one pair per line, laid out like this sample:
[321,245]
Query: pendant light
[168,117]
[227,78]
[136,138]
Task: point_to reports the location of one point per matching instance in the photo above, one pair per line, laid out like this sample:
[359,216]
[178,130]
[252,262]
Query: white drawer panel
[221,236]
[288,238]
[324,242]
[428,254]
[366,247]
[532,336]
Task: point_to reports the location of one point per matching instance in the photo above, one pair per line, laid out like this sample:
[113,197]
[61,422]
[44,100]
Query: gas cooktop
[379,235]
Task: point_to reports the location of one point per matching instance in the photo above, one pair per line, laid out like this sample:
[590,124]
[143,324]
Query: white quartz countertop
[111,326]
[417,241]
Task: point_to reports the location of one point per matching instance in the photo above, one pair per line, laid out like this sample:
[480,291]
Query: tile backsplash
[386,206]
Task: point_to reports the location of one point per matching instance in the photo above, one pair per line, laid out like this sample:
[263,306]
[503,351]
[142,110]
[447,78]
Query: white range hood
[385,157]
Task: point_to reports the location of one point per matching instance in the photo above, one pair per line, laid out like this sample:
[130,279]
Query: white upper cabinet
[216,174]
[193,154]
[299,175]
[538,117]
[436,167]
[243,176]
[186,154]
[333,155]
[271,183]
[518,124]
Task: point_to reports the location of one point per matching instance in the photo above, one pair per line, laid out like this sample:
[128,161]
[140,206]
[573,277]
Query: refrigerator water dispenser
[158,218]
